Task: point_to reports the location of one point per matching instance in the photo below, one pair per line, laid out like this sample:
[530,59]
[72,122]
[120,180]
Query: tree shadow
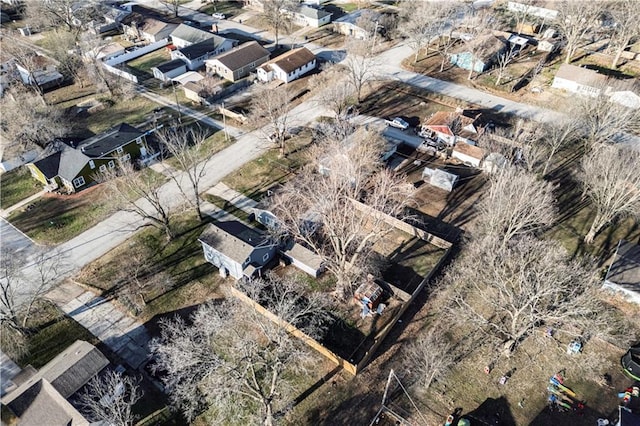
[494,412]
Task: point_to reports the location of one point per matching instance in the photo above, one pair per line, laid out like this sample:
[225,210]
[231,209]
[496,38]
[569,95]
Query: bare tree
[575,20]
[277,14]
[333,92]
[272,106]
[63,48]
[475,27]
[23,282]
[360,65]
[109,398]
[233,359]
[139,192]
[69,14]
[517,203]
[425,21]
[25,121]
[626,16]
[612,182]
[430,357]
[187,145]
[503,60]
[557,135]
[510,291]
[173,6]
[318,206]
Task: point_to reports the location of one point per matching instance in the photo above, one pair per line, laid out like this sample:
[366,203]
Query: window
[112,164]
[103,168]
[139,141]
[78,182]
[265,257]
[92,165]
[119,150]
[126,157]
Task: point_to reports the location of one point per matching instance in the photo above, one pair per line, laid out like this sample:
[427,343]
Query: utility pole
[224,123]
[175,95]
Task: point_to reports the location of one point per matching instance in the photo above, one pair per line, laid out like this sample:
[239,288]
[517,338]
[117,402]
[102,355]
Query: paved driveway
[11,238]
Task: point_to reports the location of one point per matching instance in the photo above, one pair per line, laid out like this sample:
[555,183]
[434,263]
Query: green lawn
[194,279]
[17,185]
[146,62]
[133,110]
[53,332]
[215,143]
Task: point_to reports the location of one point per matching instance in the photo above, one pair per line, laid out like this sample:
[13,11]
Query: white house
[288,66]
[468,154]
[111,19]
[236,250]
[306,16]
[528,9]
[239,62]
[185,35]
[44,73]
[579,80]
[106,52]
[166,71]
[350,24]
[626,98]
[195,55]
[452,127]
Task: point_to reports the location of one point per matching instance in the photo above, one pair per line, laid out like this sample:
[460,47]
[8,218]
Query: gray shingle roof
[233,239]
[190,34]
[108,141]
[170,65]
[202,48]
[41,404]
[313,13]
[242,55]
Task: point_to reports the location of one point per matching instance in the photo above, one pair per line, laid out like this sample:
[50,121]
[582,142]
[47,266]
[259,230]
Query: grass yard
[16,185]
[215,143]
[193,279]
[230,8]
[256,177]
[53,332]
[144,63]
[133,110]
[54,218]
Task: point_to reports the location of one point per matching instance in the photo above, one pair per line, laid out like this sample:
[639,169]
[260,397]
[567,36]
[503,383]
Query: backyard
[16,185]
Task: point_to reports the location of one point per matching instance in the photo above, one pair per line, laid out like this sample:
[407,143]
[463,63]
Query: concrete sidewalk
[19,204]
[234,197]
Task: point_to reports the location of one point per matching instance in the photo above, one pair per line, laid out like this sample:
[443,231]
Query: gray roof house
[238,62]
[194,55]
[42,398]
[236,250]
[307,16]
[186,35]
[170,69]
[349,24]
[623,275]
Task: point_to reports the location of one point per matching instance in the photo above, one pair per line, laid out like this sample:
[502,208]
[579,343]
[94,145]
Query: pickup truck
[398,123]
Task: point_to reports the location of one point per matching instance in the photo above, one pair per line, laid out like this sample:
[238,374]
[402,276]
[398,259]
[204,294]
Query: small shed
[494,162]
[468,154]
[440,178]
[370,295]
[304,259]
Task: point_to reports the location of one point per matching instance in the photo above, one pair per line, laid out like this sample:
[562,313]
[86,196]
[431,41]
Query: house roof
[170,65]
[304,255]
[452,123]
[50,164]
[242,55]
[67,372]
[108,141]
[470,150]
[292,60]
[313,13]
[42,404]
[188,77]
[154,26]
[625,269]
[580,75]
[190,34]
[485,46]
[233,239]
[202,48]
[352,17]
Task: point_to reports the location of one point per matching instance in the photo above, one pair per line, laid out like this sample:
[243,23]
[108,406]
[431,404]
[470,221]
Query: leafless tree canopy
[334,91]
[187,145]
[626,16]
[232,359]
[109,398]
[612,182]
[140,193]
[430,358]
[317,206]
[512,290]
[270,111]
[516,203]
[274,16]
[68,14]
[575,20]
[360,65]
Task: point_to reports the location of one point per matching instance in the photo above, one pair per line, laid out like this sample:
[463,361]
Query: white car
[398,123]
[218,16]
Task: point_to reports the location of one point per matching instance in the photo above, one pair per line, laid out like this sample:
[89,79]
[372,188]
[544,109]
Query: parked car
[398,123]
[218,16]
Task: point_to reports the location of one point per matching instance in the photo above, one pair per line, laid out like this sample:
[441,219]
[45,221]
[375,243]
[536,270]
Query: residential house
[306,16]
[105,52]
[478,54]
[237,250]
[440,178]
[189,76]
[288,66]
[186,35]
[579,80]
[42,398]
[170,69]
[540,12]
[351,24]
[452,127]
[39,70]
[73,166]
[623,275]
[195,55]
[239,62]
[626,98]
[140,27]
[110,20]
[468,154]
